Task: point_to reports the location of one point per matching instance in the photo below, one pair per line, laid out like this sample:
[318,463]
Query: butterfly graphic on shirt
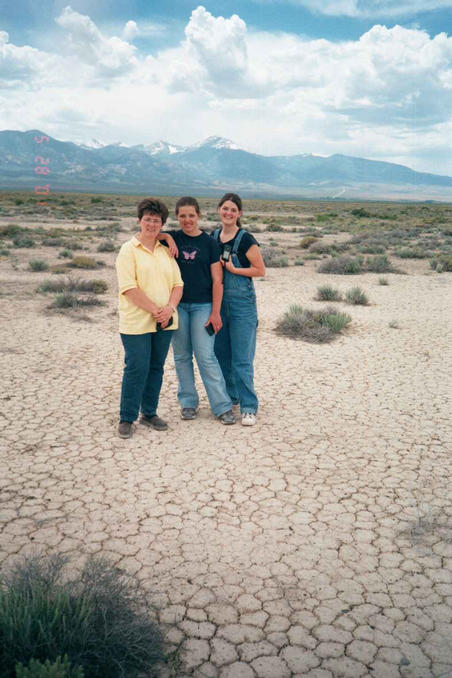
[189,256]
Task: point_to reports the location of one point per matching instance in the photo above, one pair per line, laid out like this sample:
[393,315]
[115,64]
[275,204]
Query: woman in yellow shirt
[150,288]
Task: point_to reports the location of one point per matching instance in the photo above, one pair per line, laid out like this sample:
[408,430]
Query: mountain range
[208,168]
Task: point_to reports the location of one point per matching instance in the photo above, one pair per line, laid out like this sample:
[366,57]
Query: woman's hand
[164,314]
[229,266]
[172,247]
[215,319]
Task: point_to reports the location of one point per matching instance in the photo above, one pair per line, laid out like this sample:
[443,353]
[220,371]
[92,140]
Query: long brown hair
[236,199]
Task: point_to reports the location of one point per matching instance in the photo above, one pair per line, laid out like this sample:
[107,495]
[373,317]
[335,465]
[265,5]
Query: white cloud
[20,65]
[372,8]
[387,95]
[110,56]
[130,30]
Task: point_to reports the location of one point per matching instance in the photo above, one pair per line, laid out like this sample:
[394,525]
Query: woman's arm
[216,270]
[257,267]
[172,247]
[164,314]
[140,299]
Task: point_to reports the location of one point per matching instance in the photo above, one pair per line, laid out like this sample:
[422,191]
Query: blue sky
[370,78]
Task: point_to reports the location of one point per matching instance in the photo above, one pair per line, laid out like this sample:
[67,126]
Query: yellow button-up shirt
[155,273]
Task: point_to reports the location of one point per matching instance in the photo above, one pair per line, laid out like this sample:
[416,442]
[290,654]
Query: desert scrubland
[319,542]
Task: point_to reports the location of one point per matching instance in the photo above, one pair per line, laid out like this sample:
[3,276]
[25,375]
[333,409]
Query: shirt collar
[137,243]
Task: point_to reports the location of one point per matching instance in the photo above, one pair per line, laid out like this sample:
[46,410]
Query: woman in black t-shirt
[199,315]
[235,343]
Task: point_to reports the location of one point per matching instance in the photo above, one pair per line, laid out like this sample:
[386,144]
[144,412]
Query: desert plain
[317,543]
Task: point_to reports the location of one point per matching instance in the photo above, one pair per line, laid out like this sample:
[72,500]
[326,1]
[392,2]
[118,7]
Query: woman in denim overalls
[235,343]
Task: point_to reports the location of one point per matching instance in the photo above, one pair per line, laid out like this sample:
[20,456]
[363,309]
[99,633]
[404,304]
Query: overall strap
[237,241]
[216,234]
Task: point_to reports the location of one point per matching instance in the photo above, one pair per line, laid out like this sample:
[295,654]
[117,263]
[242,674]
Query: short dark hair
[187,201]
[152,206]
[236,199]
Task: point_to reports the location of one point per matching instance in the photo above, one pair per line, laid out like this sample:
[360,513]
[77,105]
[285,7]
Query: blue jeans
[235,343]
[192,338]
[145,355]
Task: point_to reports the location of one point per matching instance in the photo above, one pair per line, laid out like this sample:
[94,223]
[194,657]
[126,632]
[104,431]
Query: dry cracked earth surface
[318,543]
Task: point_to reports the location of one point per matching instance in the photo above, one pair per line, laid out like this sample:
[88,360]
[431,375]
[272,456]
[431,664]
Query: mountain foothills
[207,168]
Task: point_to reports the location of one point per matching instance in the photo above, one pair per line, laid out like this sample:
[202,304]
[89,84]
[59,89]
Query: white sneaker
[248,419]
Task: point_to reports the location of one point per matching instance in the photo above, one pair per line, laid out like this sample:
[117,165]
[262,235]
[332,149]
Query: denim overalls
[235,343]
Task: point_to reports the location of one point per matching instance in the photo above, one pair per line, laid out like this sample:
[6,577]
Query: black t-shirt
[246,242]
[196,254]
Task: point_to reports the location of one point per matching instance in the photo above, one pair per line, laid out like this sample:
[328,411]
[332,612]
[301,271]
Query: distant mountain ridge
[207,168]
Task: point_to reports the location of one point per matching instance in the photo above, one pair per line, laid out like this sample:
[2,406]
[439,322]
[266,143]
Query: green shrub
[361,213]
[321,248]
[23,241]
[273,227]
[299,262]
[10,230]
[65,254]
[413,253]
[328,293]
[372,249]
[378,264]
[38,265]
[442,263]
[82,261]
[4,253]
[343,265]
[106,246]
[61,668]
[307,241]
[313,326]
[53,242]
[69,300]
[74,245]
[383,281]
[325,217]
[96,285]
[356,296]
[100,619]
[273,258]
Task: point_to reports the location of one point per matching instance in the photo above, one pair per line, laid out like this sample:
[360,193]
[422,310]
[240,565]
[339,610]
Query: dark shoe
[227,418]
[188,412]
[154,422]
[125,429]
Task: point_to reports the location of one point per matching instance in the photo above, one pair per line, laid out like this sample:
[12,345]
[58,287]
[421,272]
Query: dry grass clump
[82,261]
[379,264]
[344,265]
[356,296]
[96,285]
[307,241]
[106,246]
[273,258]
[328,293]
[100,619]
[312,326]
[442,263]
[67,300]
[36,265]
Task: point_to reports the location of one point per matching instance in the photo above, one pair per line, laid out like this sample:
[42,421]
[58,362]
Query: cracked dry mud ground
[318,543]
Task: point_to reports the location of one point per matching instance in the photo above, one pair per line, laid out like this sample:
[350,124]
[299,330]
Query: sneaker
[248,419]
[188,412]
[227,417]
[154,422]
[125,429]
